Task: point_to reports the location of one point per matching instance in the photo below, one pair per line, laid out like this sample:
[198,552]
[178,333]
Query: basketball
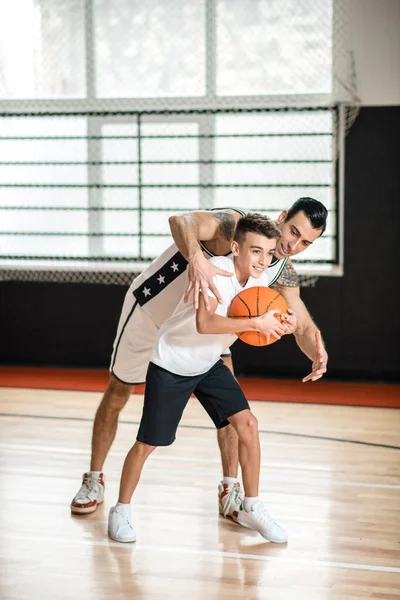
[254,302]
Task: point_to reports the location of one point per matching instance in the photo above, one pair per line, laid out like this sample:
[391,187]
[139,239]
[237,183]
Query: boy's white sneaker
[259,519]
[90,495]
[230,498]
[120,526]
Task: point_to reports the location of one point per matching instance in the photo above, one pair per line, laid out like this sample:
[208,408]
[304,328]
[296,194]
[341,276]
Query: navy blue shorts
[167,395]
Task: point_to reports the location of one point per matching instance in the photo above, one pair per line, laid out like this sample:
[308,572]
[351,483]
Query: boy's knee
[247,425]
[143,449]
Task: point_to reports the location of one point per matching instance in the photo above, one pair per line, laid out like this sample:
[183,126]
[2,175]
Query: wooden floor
[338,500]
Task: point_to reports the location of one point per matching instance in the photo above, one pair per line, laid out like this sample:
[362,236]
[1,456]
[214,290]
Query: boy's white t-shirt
[179,347]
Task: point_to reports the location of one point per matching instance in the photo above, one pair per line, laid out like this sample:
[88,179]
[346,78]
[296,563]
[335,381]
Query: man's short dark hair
[256,223]
[314,210]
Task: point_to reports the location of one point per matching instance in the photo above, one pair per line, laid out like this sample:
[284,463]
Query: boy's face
[297,234]
[253,254]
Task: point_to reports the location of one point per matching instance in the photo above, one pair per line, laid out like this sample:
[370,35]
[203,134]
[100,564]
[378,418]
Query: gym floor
[330,476]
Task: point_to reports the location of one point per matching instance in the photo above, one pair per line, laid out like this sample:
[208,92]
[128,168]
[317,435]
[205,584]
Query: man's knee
[227,433]
[116,395]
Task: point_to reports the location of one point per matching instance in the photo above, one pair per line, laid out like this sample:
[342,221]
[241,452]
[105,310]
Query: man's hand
[201,279]
[320,360]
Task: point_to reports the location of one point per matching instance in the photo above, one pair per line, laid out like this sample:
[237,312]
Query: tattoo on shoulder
[227,224]
[288,277]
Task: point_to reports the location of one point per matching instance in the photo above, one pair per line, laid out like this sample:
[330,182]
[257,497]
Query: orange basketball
[253,302]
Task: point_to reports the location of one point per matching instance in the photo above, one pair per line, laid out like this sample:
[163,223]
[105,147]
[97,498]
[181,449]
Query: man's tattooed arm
[288,277]
[227,224]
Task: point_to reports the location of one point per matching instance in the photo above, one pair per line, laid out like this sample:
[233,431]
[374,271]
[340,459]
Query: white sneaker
[120,526]
[90,495]
[230,498]
[259,519]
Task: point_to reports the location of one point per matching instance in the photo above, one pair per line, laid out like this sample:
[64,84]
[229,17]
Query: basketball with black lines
[254,302]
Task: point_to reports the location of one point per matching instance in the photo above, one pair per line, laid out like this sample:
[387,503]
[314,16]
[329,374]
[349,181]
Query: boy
[185,361]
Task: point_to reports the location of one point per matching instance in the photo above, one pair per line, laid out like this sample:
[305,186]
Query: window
[127,112]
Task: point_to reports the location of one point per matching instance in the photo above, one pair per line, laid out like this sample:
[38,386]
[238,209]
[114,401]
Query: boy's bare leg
[120,525]
[252,512]
[228,440]
[132,469]
[106,421]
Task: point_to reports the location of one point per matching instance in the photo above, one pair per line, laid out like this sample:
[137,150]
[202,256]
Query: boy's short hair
[256,223]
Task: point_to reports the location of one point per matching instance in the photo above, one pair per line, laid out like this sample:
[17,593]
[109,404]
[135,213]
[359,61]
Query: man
[154,295]
[185,361]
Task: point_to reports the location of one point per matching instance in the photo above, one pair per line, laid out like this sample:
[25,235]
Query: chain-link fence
[115,115]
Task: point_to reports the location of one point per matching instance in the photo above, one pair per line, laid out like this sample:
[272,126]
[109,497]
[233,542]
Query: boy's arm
[209,322]
[191,228]
[308,337]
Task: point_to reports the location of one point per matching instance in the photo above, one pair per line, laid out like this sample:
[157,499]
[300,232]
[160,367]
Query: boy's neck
[242,279]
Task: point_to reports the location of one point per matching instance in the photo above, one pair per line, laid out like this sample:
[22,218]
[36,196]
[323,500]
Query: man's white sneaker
[120,526]
[230,498]
[90,495]
[259,519]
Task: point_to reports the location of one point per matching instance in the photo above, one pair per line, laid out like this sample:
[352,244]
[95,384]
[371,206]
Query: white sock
[96,474]
[126,506]
[230,480]
[249,501]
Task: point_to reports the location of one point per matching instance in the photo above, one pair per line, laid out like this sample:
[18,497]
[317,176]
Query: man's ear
[282,217]
[235,248]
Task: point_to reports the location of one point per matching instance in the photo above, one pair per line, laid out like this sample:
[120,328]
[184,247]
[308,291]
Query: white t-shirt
[179,348]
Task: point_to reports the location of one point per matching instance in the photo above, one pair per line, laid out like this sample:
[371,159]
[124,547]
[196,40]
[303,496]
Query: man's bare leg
[91,492]
[228,446]
[106,421]
[246,426]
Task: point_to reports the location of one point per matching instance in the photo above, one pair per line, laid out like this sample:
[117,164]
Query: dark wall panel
[68,324]
[74,324]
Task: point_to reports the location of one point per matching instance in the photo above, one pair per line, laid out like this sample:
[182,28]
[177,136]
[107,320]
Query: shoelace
[233,498]
[89,486]
[123,518]
[263,514]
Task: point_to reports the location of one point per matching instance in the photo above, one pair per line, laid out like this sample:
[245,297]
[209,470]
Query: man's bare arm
[201,226]
[307,334]
[188,230]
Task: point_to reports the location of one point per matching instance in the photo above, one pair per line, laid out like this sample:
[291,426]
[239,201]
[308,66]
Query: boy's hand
[268,324]
[289,321]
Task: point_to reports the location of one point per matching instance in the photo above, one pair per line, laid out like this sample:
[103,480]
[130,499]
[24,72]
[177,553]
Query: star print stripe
[161,279]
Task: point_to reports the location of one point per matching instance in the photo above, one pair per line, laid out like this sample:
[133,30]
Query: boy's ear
[235,248]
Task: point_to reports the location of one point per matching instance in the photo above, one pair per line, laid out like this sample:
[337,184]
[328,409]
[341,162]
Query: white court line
[206,553]
[264,471]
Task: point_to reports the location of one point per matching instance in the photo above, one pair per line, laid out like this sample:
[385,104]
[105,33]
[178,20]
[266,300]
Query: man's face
[297,235]
[253,254]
